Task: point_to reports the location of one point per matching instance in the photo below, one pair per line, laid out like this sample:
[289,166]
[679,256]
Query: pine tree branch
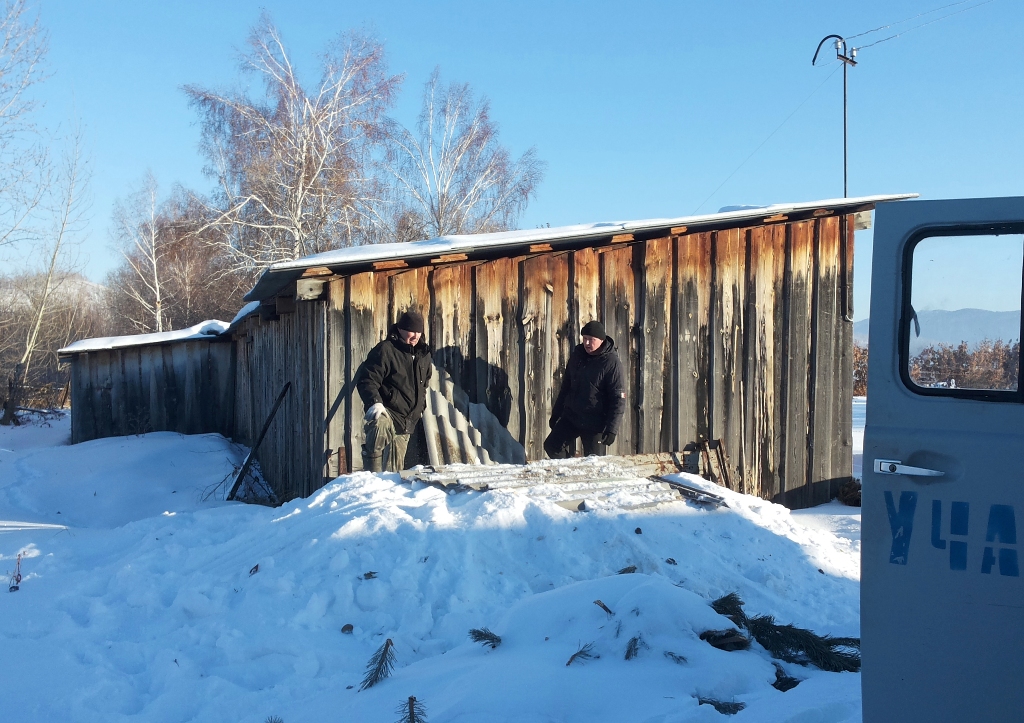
[380,666]
[485,637]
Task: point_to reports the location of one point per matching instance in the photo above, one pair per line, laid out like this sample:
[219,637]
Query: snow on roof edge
[203,330]
[465,242]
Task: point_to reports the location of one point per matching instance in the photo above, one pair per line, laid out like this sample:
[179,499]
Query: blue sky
[640,109]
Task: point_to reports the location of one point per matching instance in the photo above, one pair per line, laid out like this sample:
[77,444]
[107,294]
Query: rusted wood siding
[655,423]
[691,345]
[729,353]
[497,350]
[187,387]
[767,249]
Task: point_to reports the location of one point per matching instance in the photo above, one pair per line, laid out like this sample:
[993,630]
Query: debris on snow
[485,637]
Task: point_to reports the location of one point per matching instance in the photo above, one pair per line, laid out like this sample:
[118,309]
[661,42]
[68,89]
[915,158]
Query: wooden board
[338,389]
[497,347]
[692,339]
[363,332]
[762,327]
[796,362]
[729,352]
[655,423]
[586,291]
[450,323]
[544,319]
[619,279]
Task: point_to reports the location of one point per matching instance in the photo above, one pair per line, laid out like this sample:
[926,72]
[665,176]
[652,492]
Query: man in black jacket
[592,399]
[393,385]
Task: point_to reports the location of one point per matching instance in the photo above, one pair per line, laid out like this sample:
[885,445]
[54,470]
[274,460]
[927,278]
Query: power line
[777,129]
[904,32]
[907,20]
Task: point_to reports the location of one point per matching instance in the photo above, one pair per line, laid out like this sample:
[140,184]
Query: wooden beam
[622,238]
[677,230]
[285,304]
[776,218]
[448,258]
[316,271]
[823,212]
[538,248]
[394,264]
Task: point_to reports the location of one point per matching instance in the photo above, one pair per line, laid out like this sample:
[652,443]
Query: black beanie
[411,321]
[595,329]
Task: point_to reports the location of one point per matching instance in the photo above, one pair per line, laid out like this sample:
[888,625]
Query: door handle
[894,466]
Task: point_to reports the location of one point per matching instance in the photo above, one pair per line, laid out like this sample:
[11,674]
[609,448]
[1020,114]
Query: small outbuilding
[734,326]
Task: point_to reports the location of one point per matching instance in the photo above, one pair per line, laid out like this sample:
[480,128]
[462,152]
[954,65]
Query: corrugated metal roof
[356,258]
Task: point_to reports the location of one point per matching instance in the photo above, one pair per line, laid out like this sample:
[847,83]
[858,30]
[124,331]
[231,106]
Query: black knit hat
[411,321]
[594,329]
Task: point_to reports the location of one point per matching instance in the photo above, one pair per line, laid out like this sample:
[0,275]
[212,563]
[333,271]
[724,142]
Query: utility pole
[847,59]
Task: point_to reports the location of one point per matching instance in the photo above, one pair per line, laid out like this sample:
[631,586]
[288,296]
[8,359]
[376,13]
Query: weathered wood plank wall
[737,334]
[734,335]
[292,347]
[184,387]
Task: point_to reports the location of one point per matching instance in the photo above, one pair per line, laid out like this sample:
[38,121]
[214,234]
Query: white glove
[375,411]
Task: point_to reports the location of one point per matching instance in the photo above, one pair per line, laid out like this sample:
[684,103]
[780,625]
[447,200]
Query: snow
[249,308]
[203,330]
[462,243]
[138,603]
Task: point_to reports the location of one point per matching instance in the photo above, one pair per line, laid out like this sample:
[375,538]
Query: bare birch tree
[66,206]
[289,165]
[22,48]
[137,233]
[453,176]
[168,264]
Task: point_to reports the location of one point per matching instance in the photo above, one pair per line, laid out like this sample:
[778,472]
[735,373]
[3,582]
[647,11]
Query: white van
[942,598]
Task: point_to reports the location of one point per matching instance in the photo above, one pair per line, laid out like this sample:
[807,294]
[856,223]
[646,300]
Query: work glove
[608,438]
[375,412]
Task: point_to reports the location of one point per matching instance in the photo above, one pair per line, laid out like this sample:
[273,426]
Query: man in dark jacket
[592,399]
[393,385]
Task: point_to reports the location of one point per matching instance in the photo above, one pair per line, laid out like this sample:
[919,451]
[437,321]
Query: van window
[962,327]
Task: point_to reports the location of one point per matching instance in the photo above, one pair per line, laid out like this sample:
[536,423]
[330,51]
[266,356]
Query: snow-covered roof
[276,276]
[203,330]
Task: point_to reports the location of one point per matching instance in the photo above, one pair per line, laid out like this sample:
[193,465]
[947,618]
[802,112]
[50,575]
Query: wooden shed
[179,381]
[734,326]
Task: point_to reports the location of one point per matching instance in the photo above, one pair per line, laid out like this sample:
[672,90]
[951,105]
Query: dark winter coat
[396,375]
[593,393]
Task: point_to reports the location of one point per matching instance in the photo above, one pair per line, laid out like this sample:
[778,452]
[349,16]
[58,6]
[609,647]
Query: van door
[942,598]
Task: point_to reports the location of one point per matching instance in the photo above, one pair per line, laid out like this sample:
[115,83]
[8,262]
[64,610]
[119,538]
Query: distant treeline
[986,365]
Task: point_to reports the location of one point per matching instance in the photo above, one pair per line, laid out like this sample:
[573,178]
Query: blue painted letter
[901,523]
[937,541]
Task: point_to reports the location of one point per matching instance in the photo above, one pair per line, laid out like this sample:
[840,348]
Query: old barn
[734,326]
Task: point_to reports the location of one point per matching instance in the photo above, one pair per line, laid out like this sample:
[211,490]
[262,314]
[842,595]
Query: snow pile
[155,604]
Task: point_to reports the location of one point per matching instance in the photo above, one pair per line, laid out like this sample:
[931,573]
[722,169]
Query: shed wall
[735,335]
[184,387]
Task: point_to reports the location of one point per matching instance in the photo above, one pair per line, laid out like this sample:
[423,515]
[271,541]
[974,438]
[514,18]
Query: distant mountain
[952,327]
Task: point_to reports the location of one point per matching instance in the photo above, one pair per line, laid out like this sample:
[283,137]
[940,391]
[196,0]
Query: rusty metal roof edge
[277,276]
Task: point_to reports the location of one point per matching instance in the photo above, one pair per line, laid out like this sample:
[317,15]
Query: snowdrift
[145,600]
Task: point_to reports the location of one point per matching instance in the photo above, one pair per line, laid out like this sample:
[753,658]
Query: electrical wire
[770,135]
[907,20]
[904,32]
